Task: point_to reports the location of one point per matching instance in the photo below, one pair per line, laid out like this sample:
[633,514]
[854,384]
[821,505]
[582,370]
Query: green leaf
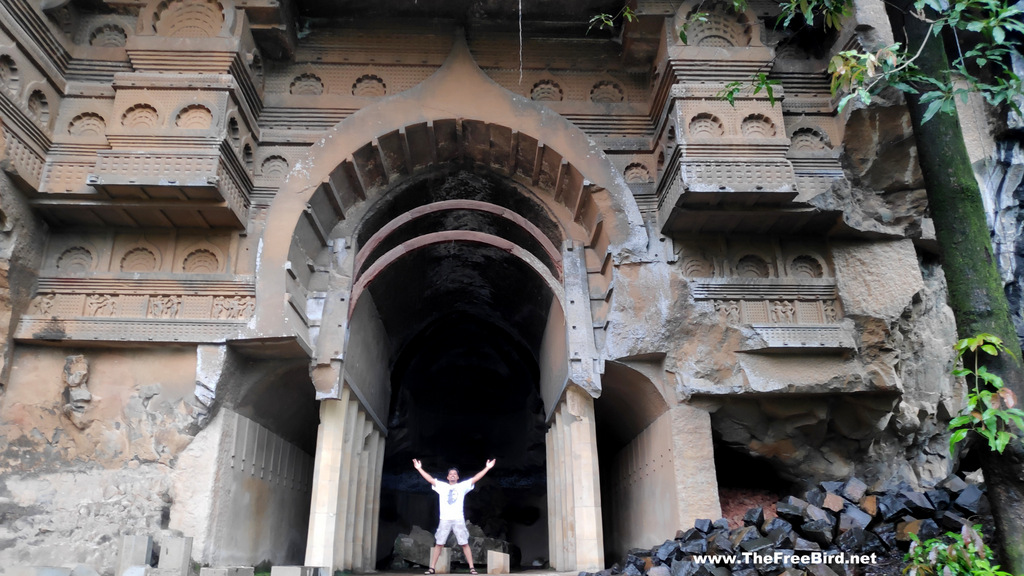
[1002,439]
[959,421]
[956,438]
[998,34]
[845,100]
[933,109]
[990,350]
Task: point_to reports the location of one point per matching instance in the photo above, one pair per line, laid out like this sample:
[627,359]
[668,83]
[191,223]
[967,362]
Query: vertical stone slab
[345,455]
[497,562]
[135,551]
[552,496]
[326,481]
[694,464]
[176,556]
[359,522]
[444,562]
[557,487]
[378,470]
[227,571]
[369,526]
[586,499]
[354,448]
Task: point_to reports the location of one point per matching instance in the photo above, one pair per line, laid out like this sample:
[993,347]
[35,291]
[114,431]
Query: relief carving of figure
[41,305]
[728,310]
[248,309]
[100,305]
[164,306]
[829,309]
[788,312]
[76,392]
[237,308]
[777,312]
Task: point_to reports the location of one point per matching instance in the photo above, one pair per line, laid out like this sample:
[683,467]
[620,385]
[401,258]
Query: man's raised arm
[419,468]
[480,474]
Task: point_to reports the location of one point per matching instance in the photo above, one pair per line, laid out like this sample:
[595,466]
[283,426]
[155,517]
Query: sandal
[430,571]
[472,570]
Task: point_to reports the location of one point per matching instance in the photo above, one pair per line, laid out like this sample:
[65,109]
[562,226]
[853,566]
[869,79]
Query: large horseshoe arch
[365,208]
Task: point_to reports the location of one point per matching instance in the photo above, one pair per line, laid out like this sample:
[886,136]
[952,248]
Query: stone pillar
[346,487]
[575,536]
[323,505]
[694,462]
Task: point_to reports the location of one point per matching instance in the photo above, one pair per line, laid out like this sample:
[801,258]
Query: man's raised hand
[417,464]
[490,463]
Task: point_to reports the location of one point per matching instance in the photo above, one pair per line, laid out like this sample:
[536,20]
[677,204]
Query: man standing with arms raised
[452,496]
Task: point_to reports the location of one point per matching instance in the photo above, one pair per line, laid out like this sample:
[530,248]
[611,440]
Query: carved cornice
[763,289]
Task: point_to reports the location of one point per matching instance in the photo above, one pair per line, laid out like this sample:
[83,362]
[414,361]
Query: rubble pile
[413,549]
[833,528]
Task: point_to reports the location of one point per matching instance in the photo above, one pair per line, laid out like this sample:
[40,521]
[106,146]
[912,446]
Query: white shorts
[447,526]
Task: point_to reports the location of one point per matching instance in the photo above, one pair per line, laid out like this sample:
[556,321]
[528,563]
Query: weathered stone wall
[88,440]
[21,245]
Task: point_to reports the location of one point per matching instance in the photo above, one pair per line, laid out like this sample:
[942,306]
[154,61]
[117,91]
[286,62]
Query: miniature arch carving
[140,258]
[706,124]
[87,124]
[8,74]
[76,260]
[546,91]
[720,26]
[697,266]
[808,140]
[637,173]
[194,117]
[807,265]
[108,35]
[752,266]
[307,84]
[202,258]
[140,116]
[189,18]
[39,107]
[368,86]
[607,92]
[758,126]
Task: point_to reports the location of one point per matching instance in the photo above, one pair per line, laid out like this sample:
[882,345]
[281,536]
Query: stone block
[854,489]
[444,561]
[833,502]
[176,556]
[299,571]
[41,571]
[497,562]
[135,551]
[227,571]
[869,504]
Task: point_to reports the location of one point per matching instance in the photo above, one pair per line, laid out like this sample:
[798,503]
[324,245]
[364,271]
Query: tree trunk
[975,289]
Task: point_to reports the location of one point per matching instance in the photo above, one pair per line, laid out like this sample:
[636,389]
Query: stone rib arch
[372,244]
[456,236]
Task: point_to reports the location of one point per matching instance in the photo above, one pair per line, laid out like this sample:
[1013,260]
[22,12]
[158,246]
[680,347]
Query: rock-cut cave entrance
[455,270]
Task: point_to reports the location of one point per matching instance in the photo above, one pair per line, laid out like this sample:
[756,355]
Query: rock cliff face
[1002,182]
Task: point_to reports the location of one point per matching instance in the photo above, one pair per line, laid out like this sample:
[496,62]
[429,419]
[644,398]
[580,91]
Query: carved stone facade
[257,254]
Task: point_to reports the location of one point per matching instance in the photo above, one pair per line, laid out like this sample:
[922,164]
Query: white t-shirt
[452,497]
